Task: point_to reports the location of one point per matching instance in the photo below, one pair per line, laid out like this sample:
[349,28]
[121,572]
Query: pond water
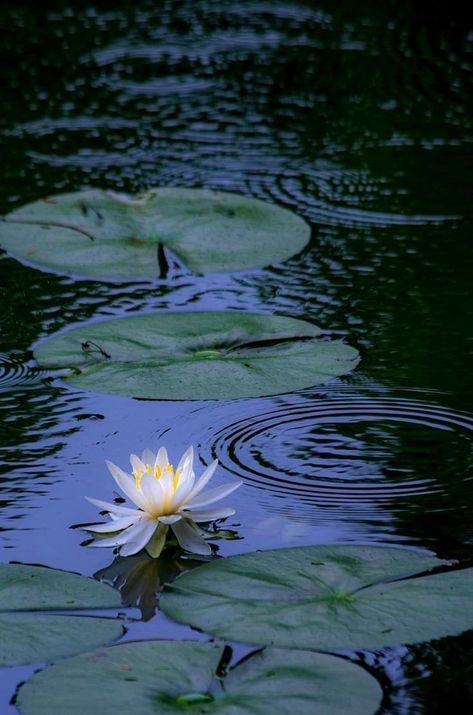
[357,117]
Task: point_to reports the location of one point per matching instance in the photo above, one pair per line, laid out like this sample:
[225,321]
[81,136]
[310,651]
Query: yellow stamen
[175,478]
[157,472]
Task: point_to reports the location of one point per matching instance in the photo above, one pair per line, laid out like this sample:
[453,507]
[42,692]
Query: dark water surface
[358,117]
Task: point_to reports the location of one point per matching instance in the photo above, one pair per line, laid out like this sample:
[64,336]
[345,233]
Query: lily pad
[184,356]
[118,237]
[324,597]
[171,677]
[31,633]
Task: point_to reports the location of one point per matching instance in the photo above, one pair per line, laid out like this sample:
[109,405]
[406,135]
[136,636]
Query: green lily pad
[102,234]
[172,677]
[185,356]
[324,597]
[32,635]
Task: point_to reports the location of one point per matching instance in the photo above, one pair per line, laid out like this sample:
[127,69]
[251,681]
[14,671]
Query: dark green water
[358,117]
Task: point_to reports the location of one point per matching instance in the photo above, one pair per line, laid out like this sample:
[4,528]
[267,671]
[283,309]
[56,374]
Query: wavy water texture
[340,454]
[16,372]
[262,98]
[358,117]
[350,450]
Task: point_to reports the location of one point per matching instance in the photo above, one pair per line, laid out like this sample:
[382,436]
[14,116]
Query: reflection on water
[356,116]
[32,432]
[140,578]
[441,670]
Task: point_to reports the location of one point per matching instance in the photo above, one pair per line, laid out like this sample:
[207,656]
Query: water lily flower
[166,498]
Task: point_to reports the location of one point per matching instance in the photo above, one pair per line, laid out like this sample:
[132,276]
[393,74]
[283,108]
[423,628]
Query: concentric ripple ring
[339,450]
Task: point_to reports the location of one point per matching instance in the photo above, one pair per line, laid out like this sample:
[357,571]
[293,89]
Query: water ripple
[16,372]
[346,450]
[237,98]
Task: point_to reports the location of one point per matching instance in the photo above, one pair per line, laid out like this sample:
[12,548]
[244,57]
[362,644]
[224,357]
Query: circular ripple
[14,371]
[341,153]
[350,450]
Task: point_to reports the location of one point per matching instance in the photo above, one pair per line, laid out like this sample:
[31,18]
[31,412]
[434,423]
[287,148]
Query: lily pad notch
[111,236]
[196,355]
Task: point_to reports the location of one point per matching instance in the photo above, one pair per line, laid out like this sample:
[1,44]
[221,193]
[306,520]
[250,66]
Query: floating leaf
[191,355]
[171,677]
[324,597]
[118,237]
[30,634]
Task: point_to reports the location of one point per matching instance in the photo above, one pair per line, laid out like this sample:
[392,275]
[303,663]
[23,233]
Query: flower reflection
[140,578]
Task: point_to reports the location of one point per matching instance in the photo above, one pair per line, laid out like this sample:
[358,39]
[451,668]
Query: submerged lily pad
[171,677]
[118,237]
[185,356]
[32,635]
[324,597]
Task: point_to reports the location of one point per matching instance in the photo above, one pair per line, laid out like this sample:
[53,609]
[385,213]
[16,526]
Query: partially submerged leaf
[30,634]
[196,355]
[102,234]
[324,597]
[169,677]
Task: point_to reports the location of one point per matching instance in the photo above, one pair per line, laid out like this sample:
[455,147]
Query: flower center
[157,472]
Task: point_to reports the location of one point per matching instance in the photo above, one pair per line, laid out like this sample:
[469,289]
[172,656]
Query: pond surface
[358,118]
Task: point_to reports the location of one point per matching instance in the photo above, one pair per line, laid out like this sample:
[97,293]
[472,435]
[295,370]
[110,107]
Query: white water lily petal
[136,464]
[189,538]
[122,537]
[212,495]
[203,515]
[186,478]
[114,508]
[162,459]
[182,492]
[127,485]
[148,458]
[185,464]
[115,525]
[153,493]
[179,497]
[205,477]
[171,519]
[166,482]
[140,538]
